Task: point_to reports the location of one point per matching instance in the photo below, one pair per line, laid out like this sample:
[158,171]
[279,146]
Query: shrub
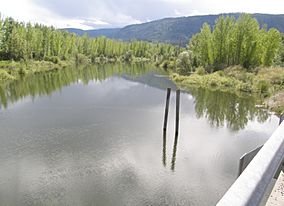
[128,56]
[22,71]
[220,73]
[226,82]
[4,76]
[165,64]
[179,78]
[82,59]
[213,81]
[184,62]
[200,71]
[244,87]
[53,59]
[261,86]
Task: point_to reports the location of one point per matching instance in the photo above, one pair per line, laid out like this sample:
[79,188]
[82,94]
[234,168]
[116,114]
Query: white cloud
[177,12]
[27,11]
[250,6]
[88,14]
[195,13]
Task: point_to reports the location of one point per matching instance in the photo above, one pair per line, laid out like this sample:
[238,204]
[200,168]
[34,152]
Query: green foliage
[263,81]
[23,41]
[272,43]
[168,64]
[128,56]
[200,71]
[184,62]
[22,71]
[235,42]
[82,59]
[4,76]
[53,59]
[215,80]
[244,87]
[261,85]
[12,70]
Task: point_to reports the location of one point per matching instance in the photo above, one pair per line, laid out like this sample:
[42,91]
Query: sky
[94,14]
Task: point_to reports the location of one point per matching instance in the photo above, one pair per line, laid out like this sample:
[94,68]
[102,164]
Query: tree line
[20,41]
[230,42]
[236,42]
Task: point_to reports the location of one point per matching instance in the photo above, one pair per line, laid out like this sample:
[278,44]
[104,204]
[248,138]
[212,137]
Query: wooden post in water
[165,148]
[177,110]
[167,109]
[174,153]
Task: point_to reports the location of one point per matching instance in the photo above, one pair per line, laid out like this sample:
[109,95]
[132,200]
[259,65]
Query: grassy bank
[11,70]
[267,82]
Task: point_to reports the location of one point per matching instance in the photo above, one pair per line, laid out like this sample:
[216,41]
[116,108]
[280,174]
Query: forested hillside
[176,30]
[109,33]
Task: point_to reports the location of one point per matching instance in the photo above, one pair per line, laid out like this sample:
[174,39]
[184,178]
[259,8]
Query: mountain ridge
[175,30]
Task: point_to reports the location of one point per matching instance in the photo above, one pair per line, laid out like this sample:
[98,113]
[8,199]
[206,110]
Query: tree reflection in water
[224,108]
[47,83]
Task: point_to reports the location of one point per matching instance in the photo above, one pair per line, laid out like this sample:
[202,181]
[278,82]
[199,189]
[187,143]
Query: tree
[184,62]
[38,42]
[235,42]
[272,46]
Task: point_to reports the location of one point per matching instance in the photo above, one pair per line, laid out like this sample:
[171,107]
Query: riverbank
[264,82]
[267,83]
[13,70]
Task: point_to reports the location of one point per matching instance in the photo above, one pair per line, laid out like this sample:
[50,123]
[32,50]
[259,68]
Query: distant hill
[174,30]
[110,33]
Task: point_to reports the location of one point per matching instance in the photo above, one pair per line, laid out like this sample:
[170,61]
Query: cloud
[87,14]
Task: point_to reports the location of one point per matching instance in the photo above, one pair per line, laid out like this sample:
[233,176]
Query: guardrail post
[281,118]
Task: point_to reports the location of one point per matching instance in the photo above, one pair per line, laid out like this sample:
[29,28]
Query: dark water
[94,137]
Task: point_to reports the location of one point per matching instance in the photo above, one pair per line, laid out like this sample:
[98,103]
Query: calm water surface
[94,137]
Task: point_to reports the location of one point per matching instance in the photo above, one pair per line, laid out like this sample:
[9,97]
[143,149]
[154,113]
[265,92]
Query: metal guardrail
[250,187]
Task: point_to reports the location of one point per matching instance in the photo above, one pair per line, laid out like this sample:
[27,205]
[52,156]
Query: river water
[93,136]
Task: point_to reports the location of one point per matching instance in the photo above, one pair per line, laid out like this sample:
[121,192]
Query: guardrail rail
[251,185]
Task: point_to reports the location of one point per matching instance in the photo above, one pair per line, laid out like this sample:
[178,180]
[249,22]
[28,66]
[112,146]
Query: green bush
[261,86]
[4,76]
[22,71]
[184,62]
[244,87]
[227,82]
[128,56]
[165,65]
[220,73]
[200,71]
[53,59]
[82,59]
[213,81]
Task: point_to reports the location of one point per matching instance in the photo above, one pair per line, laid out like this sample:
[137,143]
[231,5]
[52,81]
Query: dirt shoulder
[276,102]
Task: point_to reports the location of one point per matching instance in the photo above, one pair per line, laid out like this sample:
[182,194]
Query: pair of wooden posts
[167,110]
[176,128]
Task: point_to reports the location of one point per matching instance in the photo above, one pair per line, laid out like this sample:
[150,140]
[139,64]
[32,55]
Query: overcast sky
[90,14]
